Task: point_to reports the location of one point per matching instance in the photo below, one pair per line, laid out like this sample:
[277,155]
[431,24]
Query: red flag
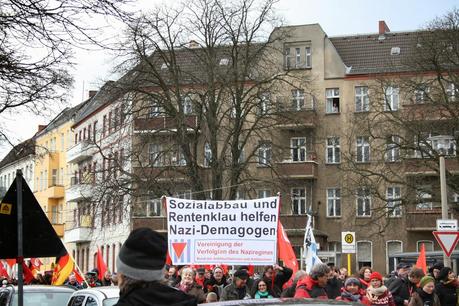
[36,263]
[421,262]
[251,270]
[101,266]
[62,270]
[286,253]
[28,275]
[3,271]
[78,276]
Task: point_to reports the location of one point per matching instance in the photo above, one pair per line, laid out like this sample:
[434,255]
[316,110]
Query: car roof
[280,301]
[102,292]
[41,288]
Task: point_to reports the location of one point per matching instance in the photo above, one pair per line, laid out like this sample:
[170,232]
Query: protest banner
[239,232]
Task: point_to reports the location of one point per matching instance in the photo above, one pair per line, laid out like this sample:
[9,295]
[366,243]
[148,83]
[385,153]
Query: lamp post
[442,144]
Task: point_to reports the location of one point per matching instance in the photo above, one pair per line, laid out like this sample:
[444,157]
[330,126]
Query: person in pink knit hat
[377,293]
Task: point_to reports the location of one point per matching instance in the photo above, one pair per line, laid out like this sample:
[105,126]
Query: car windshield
[110,301]
[43,298]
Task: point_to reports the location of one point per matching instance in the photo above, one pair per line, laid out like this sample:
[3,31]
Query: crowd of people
[144,279]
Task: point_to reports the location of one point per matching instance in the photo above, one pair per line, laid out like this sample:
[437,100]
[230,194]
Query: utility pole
[444,202]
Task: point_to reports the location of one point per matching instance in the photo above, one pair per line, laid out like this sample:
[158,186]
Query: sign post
[348,247]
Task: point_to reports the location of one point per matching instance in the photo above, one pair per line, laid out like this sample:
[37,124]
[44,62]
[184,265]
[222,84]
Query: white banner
[239,232]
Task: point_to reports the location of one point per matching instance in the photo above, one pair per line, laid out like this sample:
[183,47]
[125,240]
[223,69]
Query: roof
[371,53]
[63,117]
[19,151]
[102,292]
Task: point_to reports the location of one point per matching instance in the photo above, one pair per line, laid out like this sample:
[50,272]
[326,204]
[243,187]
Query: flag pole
[20,258]
[78,268]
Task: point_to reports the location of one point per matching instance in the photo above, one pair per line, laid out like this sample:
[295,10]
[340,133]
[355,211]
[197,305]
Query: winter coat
[275,287]
[401,289]
[447,293]
[196,291]
[380,296]
[230,293]
[309,288]
[213,285]
[333,287]
[155,294]
[416,300]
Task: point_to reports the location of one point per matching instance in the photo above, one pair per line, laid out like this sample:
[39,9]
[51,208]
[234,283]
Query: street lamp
[443,145]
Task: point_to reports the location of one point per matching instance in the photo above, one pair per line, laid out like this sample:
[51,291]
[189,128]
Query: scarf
[377,291]
[349,296]
[262,295]
[185,287]
[426,298]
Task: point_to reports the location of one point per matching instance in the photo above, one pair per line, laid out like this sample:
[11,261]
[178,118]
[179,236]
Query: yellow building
[52,173]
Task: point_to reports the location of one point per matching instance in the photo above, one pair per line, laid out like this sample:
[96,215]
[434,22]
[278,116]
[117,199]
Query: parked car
[96,296]
[35,295]
[281,302]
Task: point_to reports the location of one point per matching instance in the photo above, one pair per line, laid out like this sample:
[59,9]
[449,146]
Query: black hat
[143,255]
[201,270]
[242,274]
[403,265]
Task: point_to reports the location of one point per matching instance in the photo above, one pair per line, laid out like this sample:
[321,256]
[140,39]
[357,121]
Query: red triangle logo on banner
[447,240]
[178,248]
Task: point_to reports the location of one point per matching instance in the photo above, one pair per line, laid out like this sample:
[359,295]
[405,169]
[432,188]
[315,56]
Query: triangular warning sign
[447,240]
[178,248]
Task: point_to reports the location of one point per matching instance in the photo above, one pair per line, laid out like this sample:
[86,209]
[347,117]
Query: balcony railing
[422,220]
[298,169]
[83,150]
[81,232]
[78,191]
[163,123]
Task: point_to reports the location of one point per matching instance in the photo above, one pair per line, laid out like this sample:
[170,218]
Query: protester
[402,288]
[334,284]
[343,274]
[401,271]
[200,278]
[364,276]
[353,292]
[290,291]
[238,289]
[262,292]
[115,279]
[434,271]
[140,266]
[217,281]
[72,281]
[211,297]
[275,277]
[107,279]
[189,285]
[377,293]
[313,285]
[425,295]
[447,287]
[172,276]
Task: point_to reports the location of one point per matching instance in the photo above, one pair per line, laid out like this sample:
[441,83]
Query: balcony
[423,166]
[59,229]
[156,223]
[297,169]
[82,232]
[422,220]
[293,114]
[163,123]
[55,192]
[78,191]
[81,151]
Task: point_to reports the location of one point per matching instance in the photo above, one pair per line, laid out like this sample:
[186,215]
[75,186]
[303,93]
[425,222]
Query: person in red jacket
[313,285]
[352,292]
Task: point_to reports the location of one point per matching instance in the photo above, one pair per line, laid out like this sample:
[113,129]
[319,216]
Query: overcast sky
[337,17]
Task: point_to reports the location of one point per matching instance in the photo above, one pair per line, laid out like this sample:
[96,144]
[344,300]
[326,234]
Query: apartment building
[21,156]
[98,213]
[339,132]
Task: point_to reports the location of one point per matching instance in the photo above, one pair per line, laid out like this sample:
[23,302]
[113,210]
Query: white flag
[310,247]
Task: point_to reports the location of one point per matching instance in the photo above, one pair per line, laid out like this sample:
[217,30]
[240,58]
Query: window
[298,147]
[155,110]
[240,195]
[424,198]
[393,195]
[104,125]
[332,96]
[155,155]
[391,99]
[263,193]
[187,105]
[364,254]
[153,206]
[288,59]
[333,150]
[62,148]
[264,154]
[392,247]
[54,177]
[362,101]
[264,104]
[363,149]
[333,202]
[297,99]
[421,94]
[451,92]
[299,201]
[393,148]
[90,301]
[207,155]
[428,244]
[94,131]
[110,122]
[363,202]
[184,194]
[308,57]
[297,57]
[224,62]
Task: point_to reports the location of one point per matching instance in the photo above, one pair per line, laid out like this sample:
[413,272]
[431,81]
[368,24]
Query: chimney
[41,127]
[92,93]
[383,28]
